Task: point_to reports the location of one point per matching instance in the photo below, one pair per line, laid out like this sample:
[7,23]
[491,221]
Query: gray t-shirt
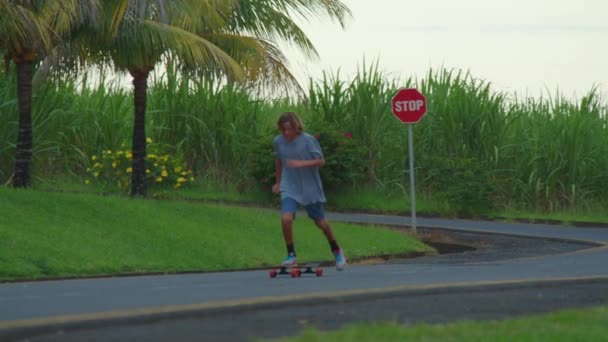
[303,184]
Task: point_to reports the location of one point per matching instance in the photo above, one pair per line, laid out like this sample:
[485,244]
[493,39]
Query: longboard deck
[297,270]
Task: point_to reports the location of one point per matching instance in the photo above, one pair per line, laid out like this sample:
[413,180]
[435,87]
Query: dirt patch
[455,247]
[446,243]
[459,247]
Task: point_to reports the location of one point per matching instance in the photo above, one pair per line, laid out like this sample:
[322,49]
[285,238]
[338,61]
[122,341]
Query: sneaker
[340,259]
[290,260]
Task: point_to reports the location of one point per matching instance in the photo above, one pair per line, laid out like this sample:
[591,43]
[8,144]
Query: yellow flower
[97,165]
[87,181]
[93,157]
[156,164]
[151,156]
[192,179]
[177,186]
[164,173]
[129,155]
[178,169]
[149,140]
[184,173]
[96,174]
[147,171]
[129,170]
[114,165]
[181,180]
[159,179]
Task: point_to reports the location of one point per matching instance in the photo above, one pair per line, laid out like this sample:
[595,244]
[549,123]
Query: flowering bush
[162,168]
[344,161]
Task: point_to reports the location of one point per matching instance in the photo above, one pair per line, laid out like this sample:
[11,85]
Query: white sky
[523,46]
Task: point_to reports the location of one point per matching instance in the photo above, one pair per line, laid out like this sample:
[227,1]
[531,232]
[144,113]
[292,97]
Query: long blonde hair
[293,119]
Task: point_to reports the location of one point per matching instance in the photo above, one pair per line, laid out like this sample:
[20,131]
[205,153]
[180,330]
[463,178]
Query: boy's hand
[275,189]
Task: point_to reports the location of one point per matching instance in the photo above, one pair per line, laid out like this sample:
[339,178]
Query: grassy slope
[53,234]
[390,202]
[380,200]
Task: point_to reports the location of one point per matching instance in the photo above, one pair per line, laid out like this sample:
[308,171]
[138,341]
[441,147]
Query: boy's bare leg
[287,224]
[336,250]
[326,229]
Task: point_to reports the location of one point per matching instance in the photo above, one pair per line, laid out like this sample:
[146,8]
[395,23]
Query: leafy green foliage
[344,161]
[113,168]
[542,155]
[261,165]
[463,182]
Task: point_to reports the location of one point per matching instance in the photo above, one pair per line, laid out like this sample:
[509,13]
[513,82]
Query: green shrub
[262,163]
[464,182]
[344,162]
[114,168]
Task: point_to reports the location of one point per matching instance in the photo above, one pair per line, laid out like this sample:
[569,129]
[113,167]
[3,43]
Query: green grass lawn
[48,234]
[568,325]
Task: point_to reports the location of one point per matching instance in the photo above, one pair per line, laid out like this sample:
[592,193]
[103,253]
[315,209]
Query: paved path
[35,305]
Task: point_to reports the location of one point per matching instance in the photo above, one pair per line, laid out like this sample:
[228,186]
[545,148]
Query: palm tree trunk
[140,88]
[23,157]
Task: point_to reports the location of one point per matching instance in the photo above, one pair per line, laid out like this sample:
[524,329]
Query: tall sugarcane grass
[558,150]
[363,107]
[70,122]
[476,146]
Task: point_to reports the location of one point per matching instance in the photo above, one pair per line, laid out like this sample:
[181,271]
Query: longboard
[296,271]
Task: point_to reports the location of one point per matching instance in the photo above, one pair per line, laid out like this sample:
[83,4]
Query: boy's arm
[316,153]
[305,163]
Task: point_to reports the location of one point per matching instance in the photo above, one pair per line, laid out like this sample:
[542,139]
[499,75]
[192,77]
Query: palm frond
[333,9]
[271,22]
[262,61]
[143,44]
[22,27]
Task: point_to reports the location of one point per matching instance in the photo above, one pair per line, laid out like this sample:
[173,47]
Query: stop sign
[409,105]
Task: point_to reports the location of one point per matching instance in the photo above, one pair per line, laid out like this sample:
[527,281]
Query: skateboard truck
[297,271]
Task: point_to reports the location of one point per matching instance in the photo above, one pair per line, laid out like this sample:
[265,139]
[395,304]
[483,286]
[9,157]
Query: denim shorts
[315,210]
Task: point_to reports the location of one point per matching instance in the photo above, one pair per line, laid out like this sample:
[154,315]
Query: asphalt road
[517,268]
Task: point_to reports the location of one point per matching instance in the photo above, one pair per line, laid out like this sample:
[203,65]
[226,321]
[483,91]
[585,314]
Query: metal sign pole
[410,141]
[409,106]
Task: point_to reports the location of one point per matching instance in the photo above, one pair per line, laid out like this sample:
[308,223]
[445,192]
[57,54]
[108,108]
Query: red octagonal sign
[409,105]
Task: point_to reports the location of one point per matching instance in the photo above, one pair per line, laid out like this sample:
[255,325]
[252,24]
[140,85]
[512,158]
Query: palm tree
[230,38]
[135,35]
[28,30]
